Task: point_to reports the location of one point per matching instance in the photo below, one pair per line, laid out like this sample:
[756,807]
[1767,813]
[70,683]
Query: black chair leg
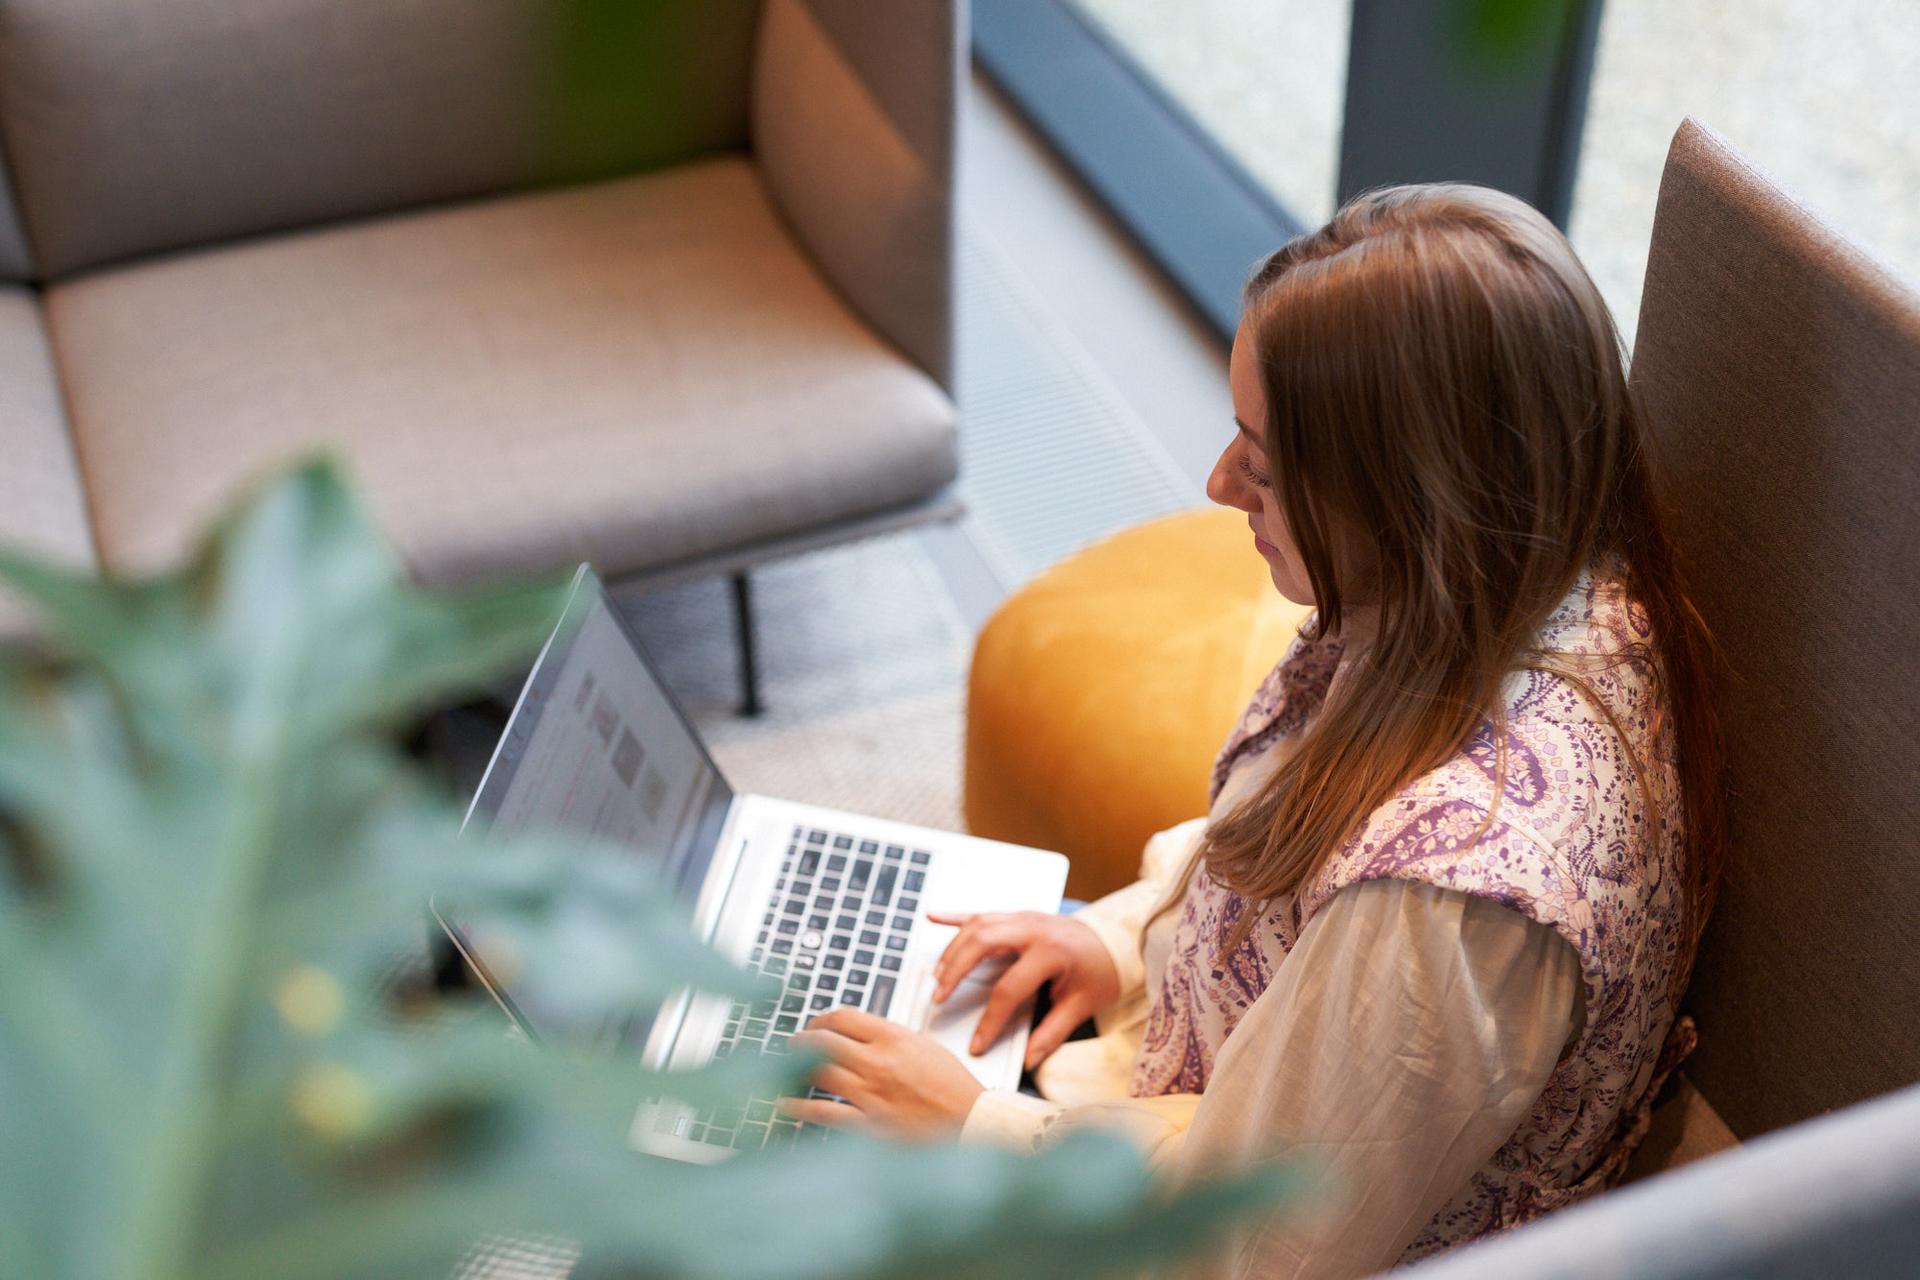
[750,704]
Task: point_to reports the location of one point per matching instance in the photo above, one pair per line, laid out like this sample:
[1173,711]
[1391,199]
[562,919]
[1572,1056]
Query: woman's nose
[1225,488]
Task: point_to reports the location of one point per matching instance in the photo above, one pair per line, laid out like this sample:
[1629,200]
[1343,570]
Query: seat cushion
[42,510]
[630,373]
[1102,690]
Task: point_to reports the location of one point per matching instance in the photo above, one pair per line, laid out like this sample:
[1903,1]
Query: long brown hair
[1452,440]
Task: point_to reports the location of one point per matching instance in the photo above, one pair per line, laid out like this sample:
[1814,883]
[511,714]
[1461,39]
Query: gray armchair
[662,286]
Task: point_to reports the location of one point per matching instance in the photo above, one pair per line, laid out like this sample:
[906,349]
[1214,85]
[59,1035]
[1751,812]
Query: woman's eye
[1253,477]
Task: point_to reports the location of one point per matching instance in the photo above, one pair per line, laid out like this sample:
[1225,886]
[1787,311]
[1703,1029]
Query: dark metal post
[750,704]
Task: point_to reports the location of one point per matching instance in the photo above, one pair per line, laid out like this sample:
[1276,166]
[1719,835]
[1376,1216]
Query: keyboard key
[829,884]
[908,902]
[840,941]
[759,953]
[816,836]
[876,917]
[895,853]
[794,907]
[776,966]
[837,862]
[896,942]
[793,1003]
[764,1007]
[809,862]
[799,981]
[803,961]
[834,962]
[783,946]
[750,1137]
[881,996]
[776,1044]
[727,1117]
[789,926]
[827,982]
[883,887]
[903,922]
[822,1001]
[850,903]
[812,939]
[843,842]
[869,846]
[722,1050]
[869,937]
[920,857]
[914,880]
[862,871]
[786,1022]
[756,1030]
[858,978]
[846,922]
[890,962]
[850,996]
[864,959]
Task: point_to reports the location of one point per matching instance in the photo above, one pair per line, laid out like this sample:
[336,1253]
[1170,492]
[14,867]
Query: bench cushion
[41,507]
[630,373]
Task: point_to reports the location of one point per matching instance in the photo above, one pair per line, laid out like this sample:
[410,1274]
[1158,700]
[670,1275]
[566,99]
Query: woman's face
[1240,478]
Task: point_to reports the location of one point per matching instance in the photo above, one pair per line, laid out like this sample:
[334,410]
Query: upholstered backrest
[1780,370]
[136,126]
[854,116]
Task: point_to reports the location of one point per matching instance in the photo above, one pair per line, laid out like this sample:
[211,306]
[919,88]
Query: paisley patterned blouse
[1551,822]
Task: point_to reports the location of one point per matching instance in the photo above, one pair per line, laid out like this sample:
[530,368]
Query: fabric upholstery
[1684,1128]
[630,373]
[42,510]
[1780,370]
[1102,690]
[854,108]
[133,126]
[1838,1196]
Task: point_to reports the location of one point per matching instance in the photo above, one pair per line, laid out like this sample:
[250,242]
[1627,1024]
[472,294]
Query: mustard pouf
[1101,691]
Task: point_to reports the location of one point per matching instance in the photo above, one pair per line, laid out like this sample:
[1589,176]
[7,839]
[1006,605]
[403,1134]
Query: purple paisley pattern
[1567,841]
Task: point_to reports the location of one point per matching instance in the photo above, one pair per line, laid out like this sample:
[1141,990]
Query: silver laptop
[834,904]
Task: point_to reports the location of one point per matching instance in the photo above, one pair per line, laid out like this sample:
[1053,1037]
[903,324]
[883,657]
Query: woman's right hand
[1053,947]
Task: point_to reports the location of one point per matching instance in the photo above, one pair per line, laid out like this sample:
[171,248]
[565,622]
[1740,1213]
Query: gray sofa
[1780,369]
[666,287]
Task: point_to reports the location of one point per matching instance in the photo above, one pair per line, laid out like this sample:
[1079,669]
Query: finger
[969,949]
[837,1079]
[952,917]
[1015,986]
[834,1047]
[836,1115]
[854,1024]
[1054,1029]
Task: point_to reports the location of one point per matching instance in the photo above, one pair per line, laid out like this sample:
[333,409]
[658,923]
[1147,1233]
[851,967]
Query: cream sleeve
[1403,1040]
[1120,918]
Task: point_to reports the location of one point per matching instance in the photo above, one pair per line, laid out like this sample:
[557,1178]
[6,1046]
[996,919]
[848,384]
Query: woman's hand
[1049,947]
[898,1081]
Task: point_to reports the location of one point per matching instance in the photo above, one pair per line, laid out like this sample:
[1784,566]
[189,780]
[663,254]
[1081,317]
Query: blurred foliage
[1504,36]
[212,857]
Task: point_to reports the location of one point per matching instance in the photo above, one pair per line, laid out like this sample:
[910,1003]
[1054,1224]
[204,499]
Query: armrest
[853,117]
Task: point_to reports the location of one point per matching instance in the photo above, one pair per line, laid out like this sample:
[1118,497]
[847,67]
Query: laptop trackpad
[952,1023]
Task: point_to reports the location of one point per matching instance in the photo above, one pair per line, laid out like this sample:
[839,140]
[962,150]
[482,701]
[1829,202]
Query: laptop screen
[596,745]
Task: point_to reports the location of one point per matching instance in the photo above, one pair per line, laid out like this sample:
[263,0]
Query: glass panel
[1817,93]
[1268,81]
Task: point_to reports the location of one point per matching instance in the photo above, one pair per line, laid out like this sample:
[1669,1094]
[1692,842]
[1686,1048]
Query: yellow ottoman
[1102,690]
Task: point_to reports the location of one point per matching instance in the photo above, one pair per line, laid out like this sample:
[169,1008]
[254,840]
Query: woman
[1432,934]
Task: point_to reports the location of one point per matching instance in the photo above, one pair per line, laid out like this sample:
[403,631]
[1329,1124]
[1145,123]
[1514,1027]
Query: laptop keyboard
[835,932]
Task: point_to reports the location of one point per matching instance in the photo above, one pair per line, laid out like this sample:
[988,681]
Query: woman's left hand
[898,1081]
